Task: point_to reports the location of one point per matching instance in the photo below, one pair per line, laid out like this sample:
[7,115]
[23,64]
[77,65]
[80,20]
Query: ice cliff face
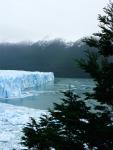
[12,82]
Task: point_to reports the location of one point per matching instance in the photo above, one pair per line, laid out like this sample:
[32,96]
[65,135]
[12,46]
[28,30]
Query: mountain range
[56,55]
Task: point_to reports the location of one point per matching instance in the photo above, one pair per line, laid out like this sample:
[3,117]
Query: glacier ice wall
[13,82]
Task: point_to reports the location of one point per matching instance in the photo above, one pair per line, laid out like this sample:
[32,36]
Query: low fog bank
[56,56]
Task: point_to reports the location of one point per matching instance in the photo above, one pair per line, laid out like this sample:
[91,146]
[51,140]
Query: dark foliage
[98,64]
[72,125]
[103,40]
[68,126]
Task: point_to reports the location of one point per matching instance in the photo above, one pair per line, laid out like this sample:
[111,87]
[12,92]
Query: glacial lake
[44,97]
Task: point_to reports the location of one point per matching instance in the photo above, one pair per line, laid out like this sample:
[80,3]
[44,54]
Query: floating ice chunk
[13,82]
[12,121]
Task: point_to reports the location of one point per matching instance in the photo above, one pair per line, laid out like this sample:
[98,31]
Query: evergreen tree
[98,63]
[69,126]
[72,125]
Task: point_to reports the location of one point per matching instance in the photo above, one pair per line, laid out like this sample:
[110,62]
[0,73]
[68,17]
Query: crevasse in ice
[13,82]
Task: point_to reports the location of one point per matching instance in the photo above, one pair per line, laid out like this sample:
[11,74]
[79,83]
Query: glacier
[12,121]
[14,82]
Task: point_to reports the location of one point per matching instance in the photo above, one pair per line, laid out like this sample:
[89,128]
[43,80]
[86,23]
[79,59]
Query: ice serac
[13,82]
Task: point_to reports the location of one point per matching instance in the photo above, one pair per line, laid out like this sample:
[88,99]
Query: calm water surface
[45,96]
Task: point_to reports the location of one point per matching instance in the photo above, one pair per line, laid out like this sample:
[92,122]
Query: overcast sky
[32,20]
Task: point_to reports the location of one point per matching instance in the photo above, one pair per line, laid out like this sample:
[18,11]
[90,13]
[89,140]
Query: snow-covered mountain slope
[13,82]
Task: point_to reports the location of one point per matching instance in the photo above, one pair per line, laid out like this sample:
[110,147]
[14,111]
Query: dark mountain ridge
[56,56]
